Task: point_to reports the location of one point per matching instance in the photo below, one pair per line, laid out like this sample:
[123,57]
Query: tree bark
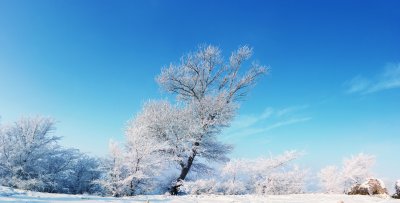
[184,171]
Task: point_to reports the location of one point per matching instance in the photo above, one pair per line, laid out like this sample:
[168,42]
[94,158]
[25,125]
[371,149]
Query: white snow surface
[13,195]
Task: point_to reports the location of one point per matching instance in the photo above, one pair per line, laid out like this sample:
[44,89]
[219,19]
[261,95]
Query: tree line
[170,145]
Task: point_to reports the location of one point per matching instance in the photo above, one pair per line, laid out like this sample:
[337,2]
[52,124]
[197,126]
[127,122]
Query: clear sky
[334,88]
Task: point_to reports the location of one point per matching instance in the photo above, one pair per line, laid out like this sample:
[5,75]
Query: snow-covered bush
[276,175]
[233,173]
[202,186]
[355,170]
[32,159]
[236,187]
[273,175]
[281,183]
[214,186]
[397,190]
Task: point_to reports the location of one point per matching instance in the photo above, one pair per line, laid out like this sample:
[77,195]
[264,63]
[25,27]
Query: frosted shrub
[272,175]
[281,183]
[203,186]
[233,188]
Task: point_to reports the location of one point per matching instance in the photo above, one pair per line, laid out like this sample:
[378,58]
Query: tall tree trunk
[184,171]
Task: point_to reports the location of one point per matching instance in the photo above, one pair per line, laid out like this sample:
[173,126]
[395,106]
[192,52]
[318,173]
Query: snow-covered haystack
[397,188]
[370,187]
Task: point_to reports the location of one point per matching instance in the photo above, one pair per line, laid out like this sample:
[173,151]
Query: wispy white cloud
[287,122]
[289,110]
[269,119]
[244,121]
[357,84]
[267,113]
[388,79]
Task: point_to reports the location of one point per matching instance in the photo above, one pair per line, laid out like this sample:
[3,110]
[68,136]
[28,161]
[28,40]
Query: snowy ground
[8,195]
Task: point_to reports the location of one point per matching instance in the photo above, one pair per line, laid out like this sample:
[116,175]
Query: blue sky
[333,91]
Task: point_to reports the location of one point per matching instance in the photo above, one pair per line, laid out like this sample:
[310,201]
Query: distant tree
[232,175]
[331,180]
[116,172]
[25,147]
[144,157]
[209,89]
[32,159]
[355,170]
[84,173]
[133,169]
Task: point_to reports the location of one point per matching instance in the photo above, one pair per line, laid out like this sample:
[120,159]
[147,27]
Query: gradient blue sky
[334,89]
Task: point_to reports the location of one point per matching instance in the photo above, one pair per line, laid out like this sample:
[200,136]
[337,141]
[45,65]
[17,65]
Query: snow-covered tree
[24,147]
[232,173]
[178,130]
[331,179]
[355,170]
[32,159]
[114,181]
[133,169]
[208,88]
[83,176]
[144,157]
